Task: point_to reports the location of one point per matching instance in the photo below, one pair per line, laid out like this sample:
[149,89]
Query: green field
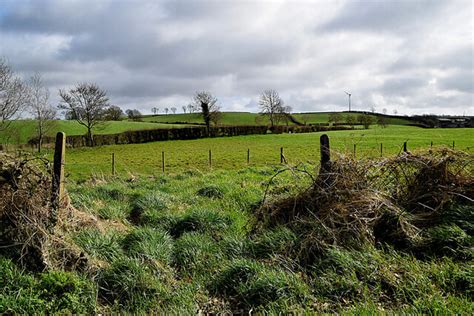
[231,152]
[247,118]
[22,130]
[228,118]
[193,243]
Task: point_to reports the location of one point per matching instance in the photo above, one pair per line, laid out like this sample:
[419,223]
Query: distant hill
[247,118]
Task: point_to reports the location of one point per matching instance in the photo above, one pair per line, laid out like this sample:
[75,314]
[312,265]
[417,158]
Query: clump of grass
[132,286]
[147,204]
[279,240]
[211,191]
[149,243]
[201,221]
[251,284]
[449,240]
[104,246]
[197,255]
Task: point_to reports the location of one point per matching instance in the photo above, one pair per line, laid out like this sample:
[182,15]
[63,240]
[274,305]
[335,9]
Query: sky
[410,57]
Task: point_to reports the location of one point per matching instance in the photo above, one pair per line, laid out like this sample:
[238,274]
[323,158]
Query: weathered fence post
[210,159]
[57,194]
[163,161]
[431,144]
[248,156]
[405,147]
[354,153]
[325,154]
[381,149]
[453,144]
[281,155]
[113,164]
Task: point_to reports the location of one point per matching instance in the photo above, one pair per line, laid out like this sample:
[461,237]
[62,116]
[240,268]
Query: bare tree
[154,110]
[271,105]
[184,109]
[39,106]
[13,95]
[166,110]
[173,109]
[285,113]
[395,111]
[87,102]
[209,108]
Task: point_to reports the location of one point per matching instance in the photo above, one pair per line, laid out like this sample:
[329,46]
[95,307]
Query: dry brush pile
[417,202]
[30,232]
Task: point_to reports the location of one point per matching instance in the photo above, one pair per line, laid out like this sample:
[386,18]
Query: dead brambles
[392,201]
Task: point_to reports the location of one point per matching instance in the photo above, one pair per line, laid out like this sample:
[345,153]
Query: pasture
[20,131]
[231,152]
[247,118]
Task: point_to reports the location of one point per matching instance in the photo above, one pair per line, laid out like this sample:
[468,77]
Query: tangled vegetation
[387,235]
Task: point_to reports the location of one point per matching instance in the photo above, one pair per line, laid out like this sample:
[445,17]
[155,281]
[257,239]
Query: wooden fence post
[431,144]
[163,162]
[453,144]
[281,155]
[210,159]
[405,147]
[381,149]
[325,154]
[248,156]
[57,194]
[354,153]
[113,164]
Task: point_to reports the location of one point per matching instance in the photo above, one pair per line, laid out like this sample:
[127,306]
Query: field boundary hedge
[162,134]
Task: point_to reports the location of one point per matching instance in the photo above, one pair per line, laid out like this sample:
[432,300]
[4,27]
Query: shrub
[66,292]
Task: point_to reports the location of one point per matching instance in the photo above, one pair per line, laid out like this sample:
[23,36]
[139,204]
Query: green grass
[228,118]
[231,152]
[247,118]
[323,117]
[192,244]
[22,130]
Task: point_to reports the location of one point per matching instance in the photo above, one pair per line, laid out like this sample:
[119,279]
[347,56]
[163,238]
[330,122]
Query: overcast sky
[411,56]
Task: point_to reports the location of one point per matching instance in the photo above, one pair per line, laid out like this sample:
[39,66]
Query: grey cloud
[377,16]
[150,52]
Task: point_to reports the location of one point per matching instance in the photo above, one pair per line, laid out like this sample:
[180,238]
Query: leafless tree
[155,110]
[13,95]
[87,102]
[190,108]
[271,105]
[209,108]
[285,113]
[166,110]
[184,109]
[39,106]
[173,109]
[395,111]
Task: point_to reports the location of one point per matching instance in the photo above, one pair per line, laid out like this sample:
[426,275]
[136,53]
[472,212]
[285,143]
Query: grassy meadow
[21,131]
[190,243]
[231,152]
[247,118]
